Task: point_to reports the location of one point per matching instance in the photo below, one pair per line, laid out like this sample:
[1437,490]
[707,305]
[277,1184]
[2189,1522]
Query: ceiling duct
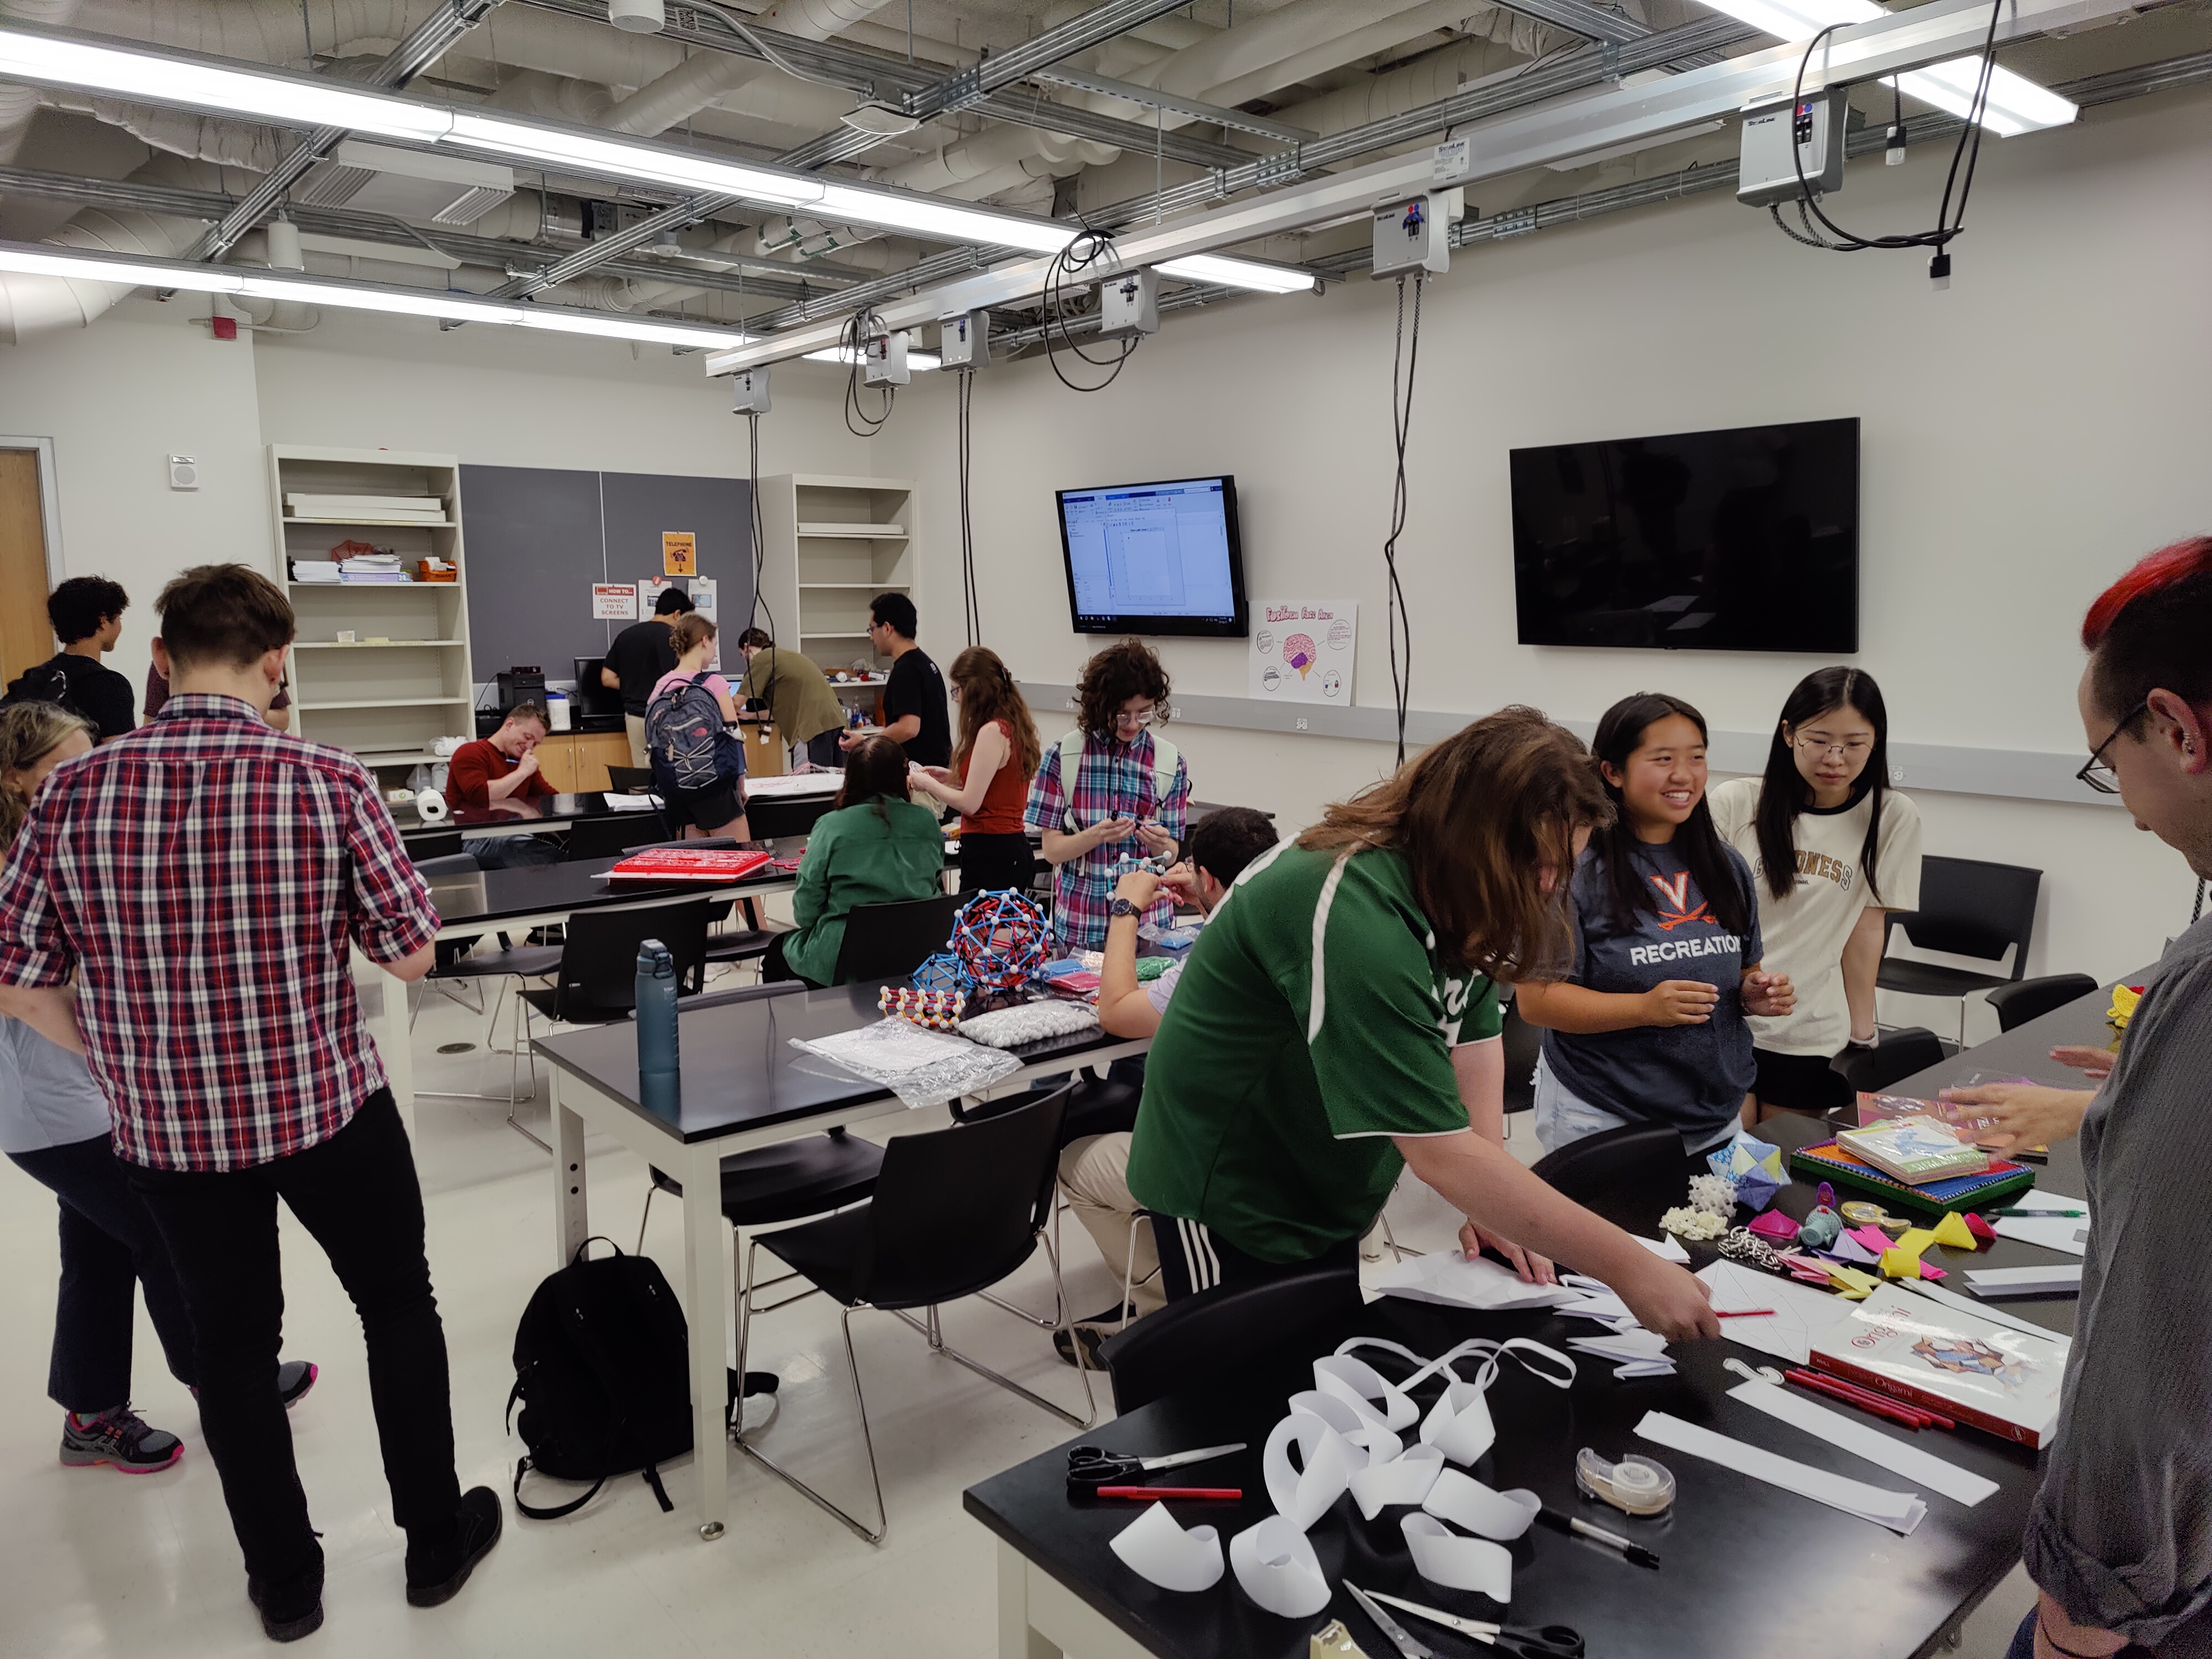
[440,189]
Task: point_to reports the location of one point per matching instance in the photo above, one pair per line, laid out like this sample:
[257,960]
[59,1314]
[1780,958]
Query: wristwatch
[1121,907]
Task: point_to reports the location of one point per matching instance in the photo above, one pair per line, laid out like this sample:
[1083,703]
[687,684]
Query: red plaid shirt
[203,877]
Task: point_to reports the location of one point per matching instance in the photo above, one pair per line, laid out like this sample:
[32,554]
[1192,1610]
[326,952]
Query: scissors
[1092,1466]
[1551,1642]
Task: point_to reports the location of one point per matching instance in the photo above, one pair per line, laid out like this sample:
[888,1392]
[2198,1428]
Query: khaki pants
[635,725]
[1094,1173]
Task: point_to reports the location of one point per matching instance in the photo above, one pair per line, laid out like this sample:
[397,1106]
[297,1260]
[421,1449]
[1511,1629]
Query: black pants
[995,862]
[356,1194]
[512,852]
[1194,1258]
[822,749]
[109,1245]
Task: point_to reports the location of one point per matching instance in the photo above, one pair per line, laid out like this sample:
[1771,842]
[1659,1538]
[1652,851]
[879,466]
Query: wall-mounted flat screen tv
[1745,540]
[1155,558]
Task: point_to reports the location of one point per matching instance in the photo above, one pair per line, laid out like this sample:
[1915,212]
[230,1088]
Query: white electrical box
[1814,124]
[1129,304]
[964,341]
[749,391]
[883,358]
[1412,234]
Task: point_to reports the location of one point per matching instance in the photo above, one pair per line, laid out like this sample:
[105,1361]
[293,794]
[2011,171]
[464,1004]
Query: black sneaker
[293,1378]
[481,1520]
[1089,1336]
[121,1437]
[292,1617]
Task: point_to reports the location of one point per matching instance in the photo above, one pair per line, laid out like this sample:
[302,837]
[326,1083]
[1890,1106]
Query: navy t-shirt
[1693,1077]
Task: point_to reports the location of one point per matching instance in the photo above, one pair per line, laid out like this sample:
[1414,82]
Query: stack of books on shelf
[365,509]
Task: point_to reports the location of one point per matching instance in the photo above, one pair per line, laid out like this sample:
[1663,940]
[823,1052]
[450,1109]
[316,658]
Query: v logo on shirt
[1676,892]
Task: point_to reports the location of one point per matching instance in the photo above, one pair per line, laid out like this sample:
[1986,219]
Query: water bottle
[656,1015]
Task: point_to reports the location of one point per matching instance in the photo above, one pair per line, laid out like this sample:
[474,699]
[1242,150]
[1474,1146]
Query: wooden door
[26,636]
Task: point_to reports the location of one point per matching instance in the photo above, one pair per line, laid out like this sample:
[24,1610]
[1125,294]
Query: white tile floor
[92,1563]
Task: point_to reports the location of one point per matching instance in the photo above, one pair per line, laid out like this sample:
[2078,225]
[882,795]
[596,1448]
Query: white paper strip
[1465,1501]
[1363,1388]
[1863,1439]
[1276,1566]
[1157,1550]
[1301,1496]
[1405,1478]
[1900,1511]
[2017,1281]
[1459,1424]
[1371,1442]
[1442,1557]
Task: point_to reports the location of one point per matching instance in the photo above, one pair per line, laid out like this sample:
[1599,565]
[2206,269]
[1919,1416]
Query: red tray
[714,866]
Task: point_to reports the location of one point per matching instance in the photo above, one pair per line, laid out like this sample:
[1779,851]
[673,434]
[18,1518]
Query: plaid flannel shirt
[1114,780]
[203,876]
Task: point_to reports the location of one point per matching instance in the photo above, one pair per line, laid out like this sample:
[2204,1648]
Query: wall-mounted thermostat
[183,472]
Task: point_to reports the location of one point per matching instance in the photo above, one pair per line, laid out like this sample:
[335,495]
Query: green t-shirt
[797,692]
[1314,1022]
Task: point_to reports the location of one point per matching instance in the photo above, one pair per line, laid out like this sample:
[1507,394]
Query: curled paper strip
[1363,1388]
[1405,1478]
[1301,1496]
[1276,1566]
[1459,1424]
[1369,1441]
[1467,1502]
[1157,1550]
[1442,1557]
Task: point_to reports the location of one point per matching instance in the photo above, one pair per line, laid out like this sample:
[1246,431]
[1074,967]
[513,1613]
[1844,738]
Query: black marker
[1581,1528]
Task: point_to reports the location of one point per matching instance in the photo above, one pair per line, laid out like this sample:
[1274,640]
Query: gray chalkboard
[538,537]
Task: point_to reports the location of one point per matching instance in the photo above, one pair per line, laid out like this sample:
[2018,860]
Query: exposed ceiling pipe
[1530,38]
[180,133]
[19,104]
[34,308]
[1511,42]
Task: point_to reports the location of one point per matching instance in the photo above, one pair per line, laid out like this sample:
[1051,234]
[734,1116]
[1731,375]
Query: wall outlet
[1302,722]
[1897,775]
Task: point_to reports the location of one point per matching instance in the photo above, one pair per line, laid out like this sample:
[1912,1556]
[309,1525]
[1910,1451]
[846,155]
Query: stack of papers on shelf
[315,570]
[2049,1278]
[365,508]
[372,567]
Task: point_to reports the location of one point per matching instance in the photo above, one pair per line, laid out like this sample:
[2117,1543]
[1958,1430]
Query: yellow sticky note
[1952,1231]
[1897,1263]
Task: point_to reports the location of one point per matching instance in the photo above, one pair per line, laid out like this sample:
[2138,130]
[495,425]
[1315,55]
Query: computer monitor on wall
[1165,557]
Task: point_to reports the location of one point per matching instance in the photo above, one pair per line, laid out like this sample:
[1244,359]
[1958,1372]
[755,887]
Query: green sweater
[797,692]
[858,855]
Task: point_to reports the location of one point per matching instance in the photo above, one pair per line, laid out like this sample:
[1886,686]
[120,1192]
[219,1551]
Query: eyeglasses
[1124,718]
[1853,747]
[2096,771]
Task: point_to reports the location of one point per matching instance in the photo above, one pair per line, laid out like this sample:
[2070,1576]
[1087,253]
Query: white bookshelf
[403,680]
[833,543]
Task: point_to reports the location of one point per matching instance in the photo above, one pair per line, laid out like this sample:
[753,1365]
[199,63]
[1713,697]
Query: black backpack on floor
[603,1369]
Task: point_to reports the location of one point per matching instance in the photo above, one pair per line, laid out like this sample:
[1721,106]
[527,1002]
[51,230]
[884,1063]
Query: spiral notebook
[1826,1161]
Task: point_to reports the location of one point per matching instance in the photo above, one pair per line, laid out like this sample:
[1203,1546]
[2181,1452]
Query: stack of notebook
[1826,1161]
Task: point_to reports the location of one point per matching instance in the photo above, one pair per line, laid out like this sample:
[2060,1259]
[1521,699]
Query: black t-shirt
[96,690]
[640,655]
[916,688]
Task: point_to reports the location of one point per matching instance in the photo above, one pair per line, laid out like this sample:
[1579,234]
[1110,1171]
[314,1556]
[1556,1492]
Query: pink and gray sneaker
[119,1436]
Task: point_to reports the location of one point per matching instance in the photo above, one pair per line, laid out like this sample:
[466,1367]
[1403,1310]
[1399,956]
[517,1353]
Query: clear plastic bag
[922,1068]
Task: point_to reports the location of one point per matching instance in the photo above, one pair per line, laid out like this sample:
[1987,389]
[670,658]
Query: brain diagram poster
[1302,651]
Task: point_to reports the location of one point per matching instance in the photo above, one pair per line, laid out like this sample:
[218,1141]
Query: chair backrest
[432,843]
[2031,998]
[1642,1158]
[696,844]
[630,779]
[1520,1045]
[772,817]
[1193,1341]
[599,958]
[604,838]
[957,1210]
[1898,1055]
[1970,908]
[883,941]
[452,864]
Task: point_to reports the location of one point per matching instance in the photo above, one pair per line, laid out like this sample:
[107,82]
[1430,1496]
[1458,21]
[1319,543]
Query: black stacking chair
[1190,1342]
[1968,907]
[885,941]
[2031,998]
[615,834]
[1900,1054]
[1521,1043]
[630,779]
[1630,1166]
[955,1211]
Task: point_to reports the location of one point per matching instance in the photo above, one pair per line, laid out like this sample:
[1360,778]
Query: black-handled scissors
[1093,1466]
[1548,1642]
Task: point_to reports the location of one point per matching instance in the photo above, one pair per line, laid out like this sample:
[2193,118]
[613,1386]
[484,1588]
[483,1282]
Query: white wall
[2027,434]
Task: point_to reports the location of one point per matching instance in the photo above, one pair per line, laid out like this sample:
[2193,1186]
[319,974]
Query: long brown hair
[28,732]
[1479,819]
[987,693]
[875,771]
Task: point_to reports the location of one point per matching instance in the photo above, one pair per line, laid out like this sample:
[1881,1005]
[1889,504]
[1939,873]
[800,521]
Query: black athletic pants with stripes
[1194,1258]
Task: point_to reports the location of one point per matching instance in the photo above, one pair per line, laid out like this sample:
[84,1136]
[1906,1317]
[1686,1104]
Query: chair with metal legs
[955,1211]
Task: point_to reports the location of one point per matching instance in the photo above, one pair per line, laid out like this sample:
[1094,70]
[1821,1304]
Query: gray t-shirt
[1693,1077]
[2121,1533]
[47,1095]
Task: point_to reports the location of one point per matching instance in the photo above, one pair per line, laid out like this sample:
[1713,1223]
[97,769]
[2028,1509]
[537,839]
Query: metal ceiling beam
[1153,98]
[425,44]
[1506,143]
[1581,17]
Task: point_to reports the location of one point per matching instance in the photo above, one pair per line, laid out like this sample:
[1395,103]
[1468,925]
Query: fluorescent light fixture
[2015,105]
[245,282]
[846,355]
[931,216]
[1224,272]
[292,99]
[655,163]
[1798,20]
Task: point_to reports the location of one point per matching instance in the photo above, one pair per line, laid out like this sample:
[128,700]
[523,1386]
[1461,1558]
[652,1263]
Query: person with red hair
[2119,1543]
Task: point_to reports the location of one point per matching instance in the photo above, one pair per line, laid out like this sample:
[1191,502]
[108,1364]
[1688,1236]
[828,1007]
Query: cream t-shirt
[1806,933]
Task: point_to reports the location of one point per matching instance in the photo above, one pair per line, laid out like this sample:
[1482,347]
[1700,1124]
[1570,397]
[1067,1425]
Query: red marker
[1741,1313]
[1217,1494]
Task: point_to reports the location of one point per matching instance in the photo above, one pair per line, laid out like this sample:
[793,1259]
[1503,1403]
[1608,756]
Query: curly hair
[1121,672]
[689,629]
